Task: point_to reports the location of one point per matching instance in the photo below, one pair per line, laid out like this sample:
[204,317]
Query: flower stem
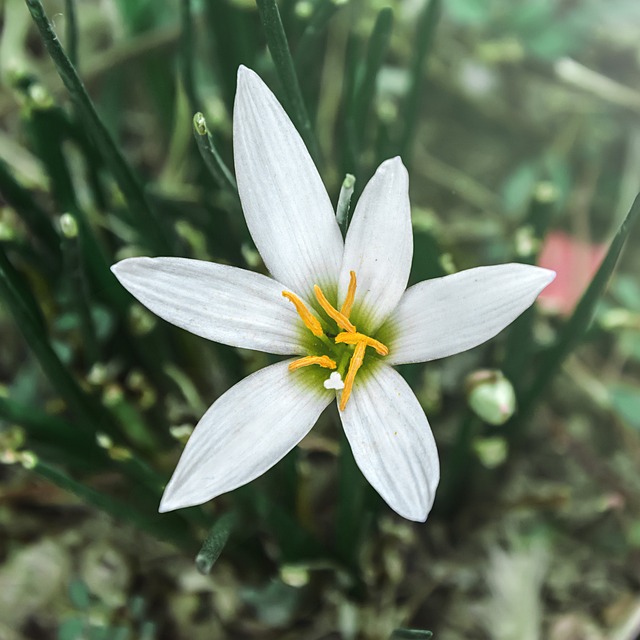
[212,159]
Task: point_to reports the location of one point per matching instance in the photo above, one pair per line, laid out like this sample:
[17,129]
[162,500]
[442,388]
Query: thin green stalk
[411,634]
[71,39]
[576,327]
[150,227]
[215,543]
[457,467]
[165,527]
[307,44]
[231,30]
[350,518]
[296,543]
[425,32]
[279,48]
[35,217]
[42,428]
[376,53]
[80,447]
[46,125]
[212,159]
[13,290]
[187,46]
[76,284]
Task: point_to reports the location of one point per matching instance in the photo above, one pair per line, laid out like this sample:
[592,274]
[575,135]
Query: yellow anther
[356,362]
[351,294]
[360,338]
[307,361]
[340,319]
[310,321]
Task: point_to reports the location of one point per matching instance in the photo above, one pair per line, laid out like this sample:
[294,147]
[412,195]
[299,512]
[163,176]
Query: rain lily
[339,306]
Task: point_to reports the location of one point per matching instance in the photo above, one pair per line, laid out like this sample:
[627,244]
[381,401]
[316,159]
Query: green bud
[491,452]
[39,96]
[68,225]
[112,395]
[304,9]
[181,432]
[526,242]
[28,459]
[294,575]
[141,320]
[104,441]
[546,192]
[491,396]
[200,124]
[98,374]
[447,263]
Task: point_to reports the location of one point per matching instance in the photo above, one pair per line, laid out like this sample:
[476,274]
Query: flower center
[337,357]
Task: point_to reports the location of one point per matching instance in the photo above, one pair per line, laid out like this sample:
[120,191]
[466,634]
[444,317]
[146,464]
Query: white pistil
[334,381]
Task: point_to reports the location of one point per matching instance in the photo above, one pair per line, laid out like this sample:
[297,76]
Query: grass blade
[149,227]
[171,528]
[576,327]
[187,41]
[34,216]
[71,39]
[425,32]
[12,290]
[215,543]
[410,634]
[376,52]
[51,431]
[279,48]
[310,36]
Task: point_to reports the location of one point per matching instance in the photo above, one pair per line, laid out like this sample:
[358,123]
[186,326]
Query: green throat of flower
[343,351]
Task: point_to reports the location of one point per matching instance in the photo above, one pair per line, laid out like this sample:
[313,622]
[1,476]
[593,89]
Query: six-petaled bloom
[339,306]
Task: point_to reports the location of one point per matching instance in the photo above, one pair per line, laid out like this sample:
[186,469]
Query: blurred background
[519,122]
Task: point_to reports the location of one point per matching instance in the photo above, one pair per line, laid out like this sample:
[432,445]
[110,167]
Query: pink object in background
[575,262]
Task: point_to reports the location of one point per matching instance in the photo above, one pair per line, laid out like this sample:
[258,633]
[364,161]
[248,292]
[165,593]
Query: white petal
[215,301]
[379,245]
[286,206]
[443,316]
[392,442]
[244,433]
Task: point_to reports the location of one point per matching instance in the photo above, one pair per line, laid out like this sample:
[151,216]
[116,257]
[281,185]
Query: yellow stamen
[356,362]
[358,338]
[323,361]
[351,294]
[310,321]
[340,319]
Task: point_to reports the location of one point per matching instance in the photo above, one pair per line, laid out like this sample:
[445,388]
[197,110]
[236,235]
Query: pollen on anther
[334,381]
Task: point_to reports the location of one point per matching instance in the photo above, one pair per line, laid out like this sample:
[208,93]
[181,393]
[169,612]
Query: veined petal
[392,442]
[379,245]
[286,206]
[443,316]
[244,433]
[226,304]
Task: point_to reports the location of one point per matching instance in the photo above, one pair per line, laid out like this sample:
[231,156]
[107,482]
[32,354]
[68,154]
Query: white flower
[341,307]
